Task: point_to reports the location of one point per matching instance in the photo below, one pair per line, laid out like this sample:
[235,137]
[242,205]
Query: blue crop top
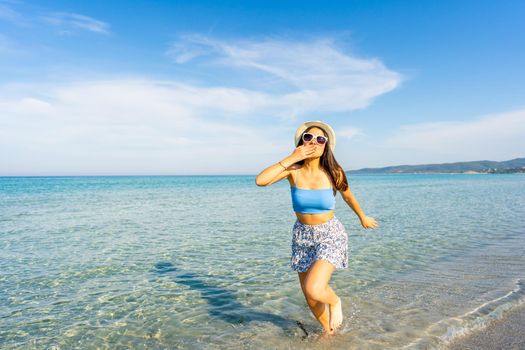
[312,201]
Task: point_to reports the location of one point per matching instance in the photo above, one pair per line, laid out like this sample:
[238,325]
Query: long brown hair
[328,163]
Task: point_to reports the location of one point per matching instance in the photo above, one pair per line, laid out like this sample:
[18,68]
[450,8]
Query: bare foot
[326,334]
[325,321]
[336,315]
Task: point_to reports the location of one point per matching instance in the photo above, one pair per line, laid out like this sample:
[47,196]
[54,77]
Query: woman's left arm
[366,221]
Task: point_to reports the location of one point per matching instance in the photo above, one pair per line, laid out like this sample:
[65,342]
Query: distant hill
[482,166]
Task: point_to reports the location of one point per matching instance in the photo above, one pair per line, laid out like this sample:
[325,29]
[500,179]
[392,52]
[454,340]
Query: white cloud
[182,51]
[317,74]
[149,126]
[24,16]
[349,133]
[128,126]
[140,126]
[71,21]
[493,137]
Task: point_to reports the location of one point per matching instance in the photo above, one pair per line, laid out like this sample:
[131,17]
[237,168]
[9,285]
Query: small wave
[440,334]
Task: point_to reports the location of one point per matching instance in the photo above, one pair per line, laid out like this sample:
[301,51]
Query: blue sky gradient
[208,87]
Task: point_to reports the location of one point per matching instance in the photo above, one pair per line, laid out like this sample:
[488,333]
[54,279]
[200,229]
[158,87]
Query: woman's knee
[314,289]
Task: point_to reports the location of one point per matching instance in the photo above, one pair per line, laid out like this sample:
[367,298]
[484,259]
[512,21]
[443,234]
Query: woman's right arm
[277,172]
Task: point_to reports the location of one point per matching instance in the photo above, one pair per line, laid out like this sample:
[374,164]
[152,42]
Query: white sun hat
[327,128]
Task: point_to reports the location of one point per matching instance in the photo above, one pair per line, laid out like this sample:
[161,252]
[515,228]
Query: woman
[319,240]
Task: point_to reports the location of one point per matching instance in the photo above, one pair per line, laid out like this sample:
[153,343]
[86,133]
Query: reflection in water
[223,303]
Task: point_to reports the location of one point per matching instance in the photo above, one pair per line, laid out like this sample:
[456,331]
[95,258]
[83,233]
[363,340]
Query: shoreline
[435,173]
[504,333]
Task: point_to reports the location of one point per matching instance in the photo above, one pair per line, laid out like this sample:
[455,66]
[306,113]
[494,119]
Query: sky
[219,87]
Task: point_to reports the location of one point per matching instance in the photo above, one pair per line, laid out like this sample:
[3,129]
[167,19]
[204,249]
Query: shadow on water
[223,303]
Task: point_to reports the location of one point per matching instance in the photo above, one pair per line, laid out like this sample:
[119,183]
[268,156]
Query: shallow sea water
[183,262]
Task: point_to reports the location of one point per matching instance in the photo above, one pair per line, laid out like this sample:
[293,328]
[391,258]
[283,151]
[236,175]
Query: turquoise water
[185,262]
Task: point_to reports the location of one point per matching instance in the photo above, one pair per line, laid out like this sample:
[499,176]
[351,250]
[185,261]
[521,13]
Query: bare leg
[316,287]
[319,310]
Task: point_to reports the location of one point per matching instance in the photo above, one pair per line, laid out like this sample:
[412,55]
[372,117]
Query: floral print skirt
[327,241]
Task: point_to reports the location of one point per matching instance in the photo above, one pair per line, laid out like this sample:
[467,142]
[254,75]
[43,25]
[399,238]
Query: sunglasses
[319,138]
